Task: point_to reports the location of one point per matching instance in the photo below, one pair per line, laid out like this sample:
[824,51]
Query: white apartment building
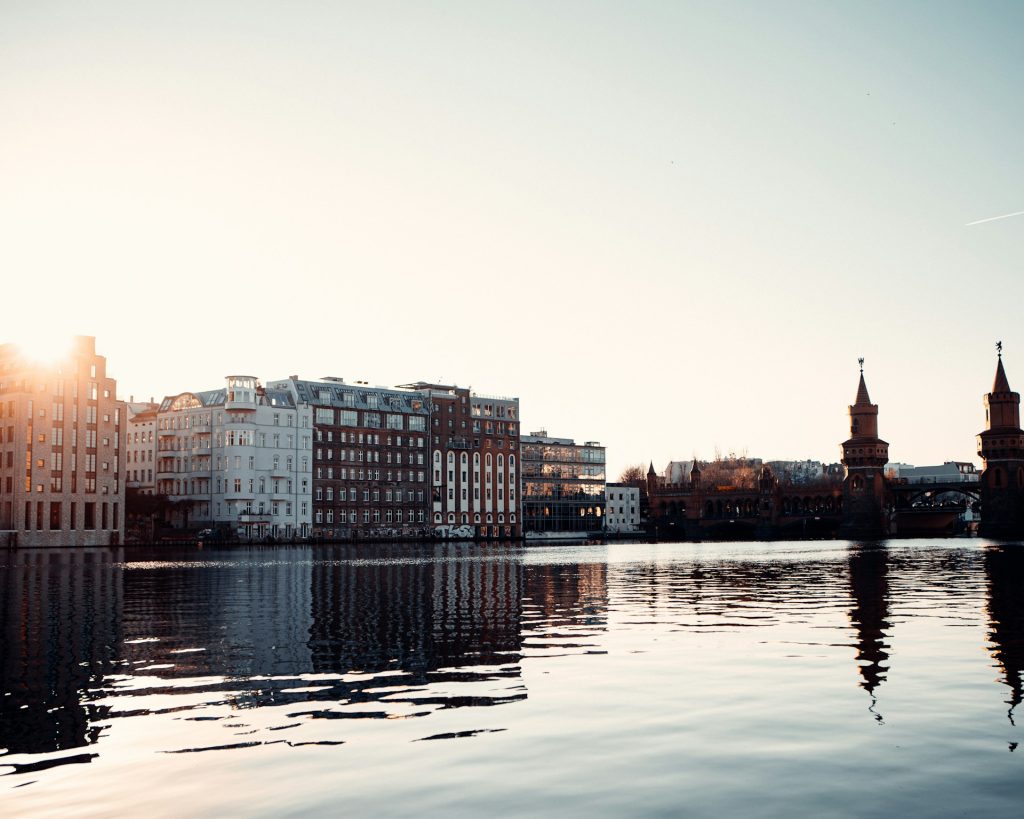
[140,446]
[237,459]
[622,508]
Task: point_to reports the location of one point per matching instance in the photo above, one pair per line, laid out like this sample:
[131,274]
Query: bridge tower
[1001,447]
[865,501]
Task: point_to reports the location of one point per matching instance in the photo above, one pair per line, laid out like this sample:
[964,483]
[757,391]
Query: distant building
[60,450]
[474,462]
[563,486]
[369,458]
[948,472]
[140,446]
[238,459]
[622,508]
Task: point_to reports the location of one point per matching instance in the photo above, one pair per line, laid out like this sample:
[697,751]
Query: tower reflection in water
[1004,572]
[869,616]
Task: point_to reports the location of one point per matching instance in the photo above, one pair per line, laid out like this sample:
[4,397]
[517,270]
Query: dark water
[825,679]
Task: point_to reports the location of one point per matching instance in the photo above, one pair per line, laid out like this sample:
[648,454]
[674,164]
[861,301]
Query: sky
[670,227]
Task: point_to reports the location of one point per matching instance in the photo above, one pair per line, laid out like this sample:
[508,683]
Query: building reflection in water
[60,636]
[419,615]
[246,628]
[1004,571]
[569,595]
[869,616]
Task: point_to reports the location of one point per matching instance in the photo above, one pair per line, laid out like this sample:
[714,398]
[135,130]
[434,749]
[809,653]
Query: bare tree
[634,474]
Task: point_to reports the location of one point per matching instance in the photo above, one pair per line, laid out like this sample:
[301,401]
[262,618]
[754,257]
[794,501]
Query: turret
[865,513]
[1001,447]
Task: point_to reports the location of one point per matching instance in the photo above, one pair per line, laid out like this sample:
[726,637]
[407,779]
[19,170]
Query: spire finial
[999,349]
[861,362]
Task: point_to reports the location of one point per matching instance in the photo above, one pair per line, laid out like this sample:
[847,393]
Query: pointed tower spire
[863,399]
[1001,384]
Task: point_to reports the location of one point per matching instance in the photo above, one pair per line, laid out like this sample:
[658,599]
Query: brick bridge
[863,503]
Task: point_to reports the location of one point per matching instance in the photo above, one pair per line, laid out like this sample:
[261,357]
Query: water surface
[814,678]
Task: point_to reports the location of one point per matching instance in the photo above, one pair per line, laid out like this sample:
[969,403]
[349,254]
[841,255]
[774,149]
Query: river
[819,678]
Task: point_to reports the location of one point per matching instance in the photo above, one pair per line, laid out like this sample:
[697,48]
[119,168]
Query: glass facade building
[563,485]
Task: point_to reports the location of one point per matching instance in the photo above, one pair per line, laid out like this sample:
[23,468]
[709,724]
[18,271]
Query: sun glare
[46,349]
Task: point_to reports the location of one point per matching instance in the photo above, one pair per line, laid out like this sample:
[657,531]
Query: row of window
[39,517]
[231,438]
[367,456]
[370,438]
[345,473]
[57,485]
[369,516]
[346,494]
[203,463]
[191,421]
[370,420]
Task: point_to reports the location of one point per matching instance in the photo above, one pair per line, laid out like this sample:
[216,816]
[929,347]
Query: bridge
[863,503]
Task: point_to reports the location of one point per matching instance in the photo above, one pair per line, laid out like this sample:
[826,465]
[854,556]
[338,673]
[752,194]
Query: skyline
[668,228]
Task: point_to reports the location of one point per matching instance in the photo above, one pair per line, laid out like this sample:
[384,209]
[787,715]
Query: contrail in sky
[994,218]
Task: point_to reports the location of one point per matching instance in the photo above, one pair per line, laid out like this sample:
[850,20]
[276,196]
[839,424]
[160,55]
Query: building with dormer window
[237,459]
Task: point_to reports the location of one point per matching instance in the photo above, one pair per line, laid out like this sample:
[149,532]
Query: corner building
[237,459]
[369,458]
[474,463]
[61,439]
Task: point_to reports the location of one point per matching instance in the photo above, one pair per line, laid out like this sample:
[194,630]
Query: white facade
[238,459]
[140,447]
[622,508]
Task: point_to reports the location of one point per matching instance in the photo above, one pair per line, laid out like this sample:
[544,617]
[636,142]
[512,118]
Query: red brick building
[474,462]
[370,470]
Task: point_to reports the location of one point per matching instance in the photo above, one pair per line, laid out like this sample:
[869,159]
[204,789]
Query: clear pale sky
[669,226]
